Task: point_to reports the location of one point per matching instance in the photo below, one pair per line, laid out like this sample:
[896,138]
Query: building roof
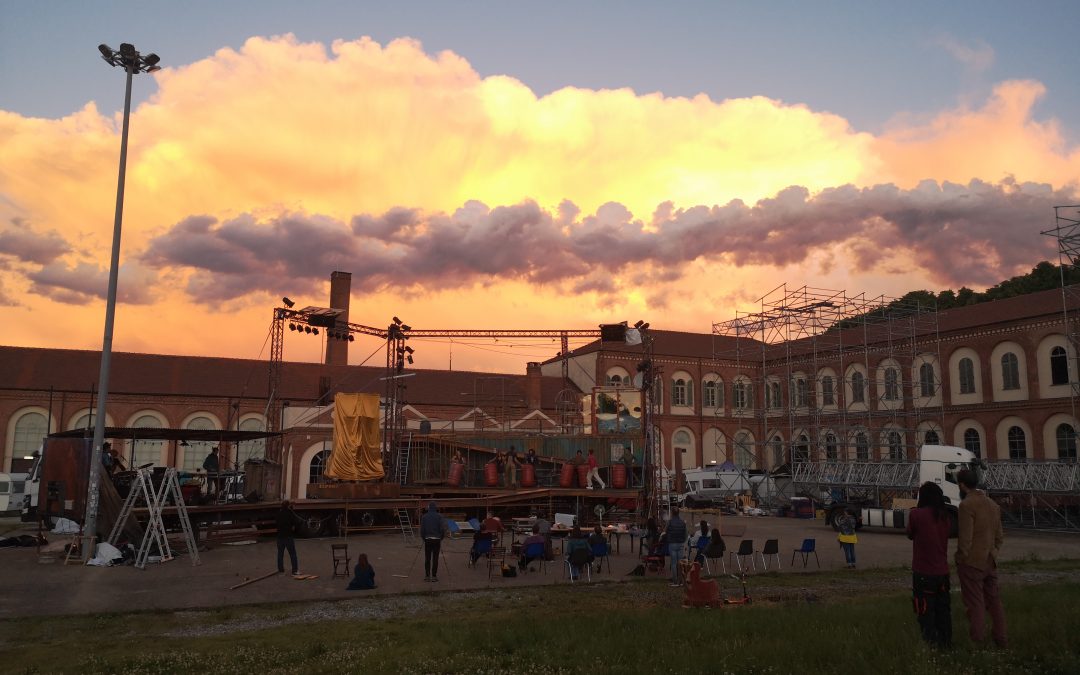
[162,375]
[668,343]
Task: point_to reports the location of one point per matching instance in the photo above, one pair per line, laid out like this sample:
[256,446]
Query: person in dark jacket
[363,575]
[928,529]
[432,530]
[287,521]
[676,540]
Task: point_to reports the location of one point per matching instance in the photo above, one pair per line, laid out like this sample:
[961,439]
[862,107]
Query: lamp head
[151,59]
[106,51]
[287,302]
[127,50]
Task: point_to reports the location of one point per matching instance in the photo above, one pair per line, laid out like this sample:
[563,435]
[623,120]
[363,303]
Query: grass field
[836,622]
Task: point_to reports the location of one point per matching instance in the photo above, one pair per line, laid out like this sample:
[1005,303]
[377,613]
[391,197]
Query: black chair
[746,549]
[715,551]
[808,546]
[579,560]
[340,555]
[772,548]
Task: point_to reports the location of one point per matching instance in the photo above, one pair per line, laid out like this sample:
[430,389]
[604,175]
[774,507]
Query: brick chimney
[337,351]
[532,386]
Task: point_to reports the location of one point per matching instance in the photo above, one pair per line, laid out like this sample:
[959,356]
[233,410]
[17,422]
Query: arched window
[777,445]
[1066,442]
[679,393]
[773,391]
[739,395]
[896,446]
[972,442]
[858,387]
[744,458]
[1059,366]
[1017,443]
[862,447]
[614,380]
[892,385]
[30,429]
[830,446]
[255,449]
[146,452]
[967,376]
[927,386]
[802,390]
[828,396]
[1010,371]
[681,439]
[84,422]
[708,395]
[931,438]
[318,464]
[801,450]
[196,451]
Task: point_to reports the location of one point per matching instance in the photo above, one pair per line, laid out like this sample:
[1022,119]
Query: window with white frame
[896,446]
[927,383]
[862,447]
[1017,441]
[831,451]
[858,387]
[972,441]
[253,449]
[772,392]
[708,395]
[828,396]
[196,451]
[931,437]
[1010,371]
[800,452]
[615,380]
[744,458]
[30,429]
[802,393]
[777,445]
[679,393]
[967,376]
[318,465]
[145,452]
[892,385]
[739,395]
[1066,442]
[1059,366]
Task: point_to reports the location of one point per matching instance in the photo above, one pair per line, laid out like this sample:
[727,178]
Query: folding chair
[339,553]
[746,548]
[536,553]
[601,554]
[481,547]
[496,559]
[578,559]
[715,551]
[808,546]
[772,548]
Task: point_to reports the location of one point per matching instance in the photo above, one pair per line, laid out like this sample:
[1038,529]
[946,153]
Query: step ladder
[143,493]
[404,450]
[405,522]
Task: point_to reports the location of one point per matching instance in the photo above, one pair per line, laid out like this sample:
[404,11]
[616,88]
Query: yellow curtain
[357,452]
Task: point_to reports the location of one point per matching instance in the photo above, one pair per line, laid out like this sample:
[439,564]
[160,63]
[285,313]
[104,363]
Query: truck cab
[941,463]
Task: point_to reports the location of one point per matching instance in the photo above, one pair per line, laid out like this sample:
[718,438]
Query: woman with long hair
[363,575]
[928,528]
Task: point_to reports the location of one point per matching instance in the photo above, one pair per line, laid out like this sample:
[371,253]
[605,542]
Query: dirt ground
[32,588]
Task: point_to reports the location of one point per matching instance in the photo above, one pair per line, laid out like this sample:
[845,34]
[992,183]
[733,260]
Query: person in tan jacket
[976,560]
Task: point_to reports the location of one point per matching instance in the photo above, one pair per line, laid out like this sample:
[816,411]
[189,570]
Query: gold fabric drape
[357,453]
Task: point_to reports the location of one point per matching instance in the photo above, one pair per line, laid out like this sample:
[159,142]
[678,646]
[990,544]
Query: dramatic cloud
[973,234]
[477,196]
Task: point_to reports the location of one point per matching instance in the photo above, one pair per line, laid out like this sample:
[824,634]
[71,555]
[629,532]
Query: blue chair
[535,552]
[698,552]
[808,546]
[601,553]
[481,547]
[474,524]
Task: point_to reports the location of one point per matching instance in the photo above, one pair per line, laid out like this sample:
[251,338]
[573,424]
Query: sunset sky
[519,165]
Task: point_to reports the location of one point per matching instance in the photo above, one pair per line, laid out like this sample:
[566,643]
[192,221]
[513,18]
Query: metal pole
[92,493]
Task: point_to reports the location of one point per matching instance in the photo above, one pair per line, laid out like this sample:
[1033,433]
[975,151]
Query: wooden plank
[251,581]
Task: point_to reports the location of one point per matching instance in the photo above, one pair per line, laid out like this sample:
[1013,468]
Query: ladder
[403,461]
[142,492]
[405,522]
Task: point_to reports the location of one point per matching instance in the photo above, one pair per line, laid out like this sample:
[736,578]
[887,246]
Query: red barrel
[582,474]
[566,477]
[618,476]
[456,472]
[491,474]
[528,475]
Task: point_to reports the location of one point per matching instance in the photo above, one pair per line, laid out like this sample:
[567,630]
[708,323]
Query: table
[616,532]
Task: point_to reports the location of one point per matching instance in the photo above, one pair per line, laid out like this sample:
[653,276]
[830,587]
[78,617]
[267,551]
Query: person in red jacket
[594,471]
[928,529]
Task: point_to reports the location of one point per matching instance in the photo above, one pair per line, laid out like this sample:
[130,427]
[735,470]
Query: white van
[12,486]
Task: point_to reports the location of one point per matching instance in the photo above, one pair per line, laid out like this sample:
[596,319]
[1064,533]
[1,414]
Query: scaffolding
[1067,233]
[828,376]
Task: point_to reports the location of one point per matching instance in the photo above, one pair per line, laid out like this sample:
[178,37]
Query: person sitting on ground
[363,575]
[576,541]
[532,540]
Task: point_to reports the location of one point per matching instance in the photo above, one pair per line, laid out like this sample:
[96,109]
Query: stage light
[397,321]
[644,326]
[292,326]
[351,338]
[405,327]
[287,302]
[409,359]
[638,324]
[409,349]
[314,331]
[307,329]
[127,50]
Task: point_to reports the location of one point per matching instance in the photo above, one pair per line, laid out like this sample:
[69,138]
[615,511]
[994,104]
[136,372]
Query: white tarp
[105,555]
[65,526]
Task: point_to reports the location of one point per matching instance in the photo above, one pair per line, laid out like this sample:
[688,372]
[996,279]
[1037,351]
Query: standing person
[628,462]
[531,458]
[286,530]
[594,471]
[976,559]
[928,530]
[500,465]
[676,541]
[432,530]
[363,575]
[845,523]
[212,465]
[511,468]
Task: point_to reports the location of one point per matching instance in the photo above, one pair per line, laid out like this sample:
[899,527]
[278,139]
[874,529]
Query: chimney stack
[337,351]
[533,399]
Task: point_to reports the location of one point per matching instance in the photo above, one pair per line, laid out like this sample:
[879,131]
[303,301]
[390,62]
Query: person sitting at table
[545,530]
[533,540]
[492,524]
[649,536]
[574,542]
[597,542]
[363,575]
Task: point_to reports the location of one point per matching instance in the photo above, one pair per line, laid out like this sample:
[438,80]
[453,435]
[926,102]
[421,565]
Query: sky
[519,165]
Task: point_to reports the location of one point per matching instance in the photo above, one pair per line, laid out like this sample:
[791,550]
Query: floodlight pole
[93,494]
